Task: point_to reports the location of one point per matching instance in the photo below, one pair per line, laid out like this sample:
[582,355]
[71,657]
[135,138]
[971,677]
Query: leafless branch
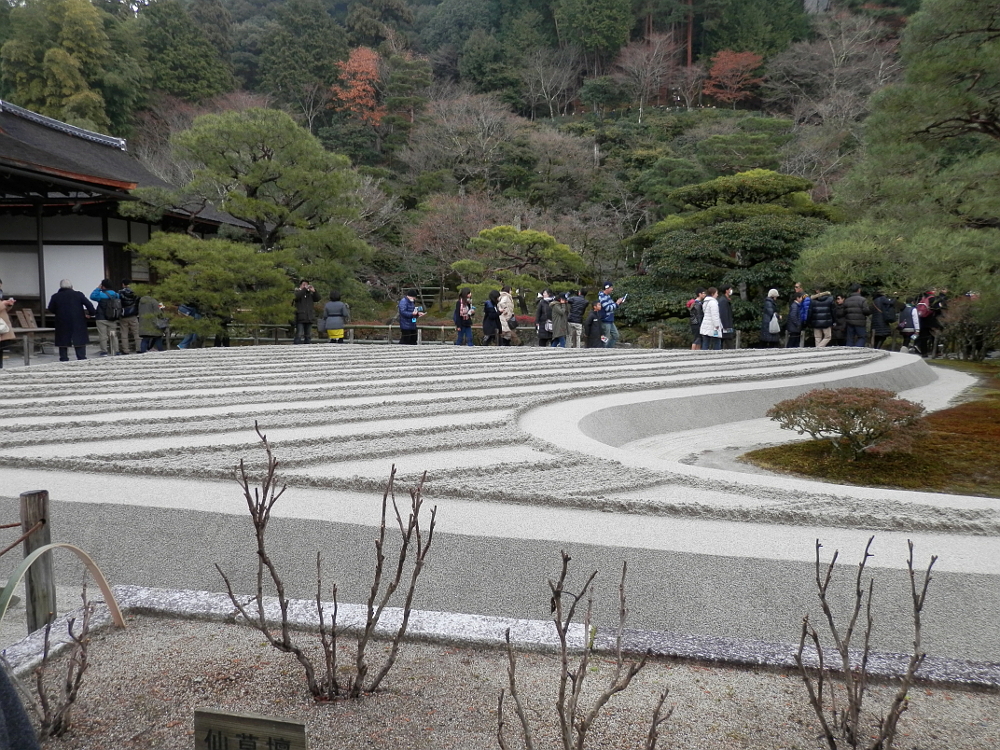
[846,723]
[574,721]
[260,502]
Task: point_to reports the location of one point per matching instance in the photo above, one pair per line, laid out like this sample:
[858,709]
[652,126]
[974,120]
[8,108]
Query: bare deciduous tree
[551,78]
[825,86]
[829,80]
[386,580]
[50,704]
[465,135]
[644,67]
[575,720]
[845,724]
[688,83]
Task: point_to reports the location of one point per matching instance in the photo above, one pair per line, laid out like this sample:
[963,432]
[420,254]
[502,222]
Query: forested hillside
[604,126]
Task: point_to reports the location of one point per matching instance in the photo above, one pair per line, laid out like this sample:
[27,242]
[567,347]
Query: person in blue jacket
[107,317]
[409,313]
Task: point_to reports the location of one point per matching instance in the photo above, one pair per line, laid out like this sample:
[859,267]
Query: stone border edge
[480,630]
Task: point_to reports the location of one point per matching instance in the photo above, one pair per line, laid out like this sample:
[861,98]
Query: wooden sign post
[40,580]
[217,730]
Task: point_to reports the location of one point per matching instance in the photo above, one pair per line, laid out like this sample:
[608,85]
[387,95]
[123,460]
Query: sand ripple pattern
[339,415]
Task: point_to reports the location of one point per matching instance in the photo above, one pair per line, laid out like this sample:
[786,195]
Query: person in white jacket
[711,324]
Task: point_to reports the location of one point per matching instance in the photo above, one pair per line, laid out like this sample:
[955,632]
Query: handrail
[102,583]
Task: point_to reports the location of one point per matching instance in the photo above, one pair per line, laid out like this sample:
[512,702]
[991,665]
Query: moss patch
[958,455]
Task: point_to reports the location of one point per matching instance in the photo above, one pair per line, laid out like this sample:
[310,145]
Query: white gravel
[145,682]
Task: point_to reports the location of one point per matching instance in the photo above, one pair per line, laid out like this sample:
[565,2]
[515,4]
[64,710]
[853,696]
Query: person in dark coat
[578,307]
[839,332]
[726,316]
[794,325]
[856,311]
[882,309]
[306,298]
[543,318]
[71,310]
[592,331]
[821,317]
[491,319]
[153,324]
[769,311]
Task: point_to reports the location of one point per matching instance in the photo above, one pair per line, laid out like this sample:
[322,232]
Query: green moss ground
[959,454]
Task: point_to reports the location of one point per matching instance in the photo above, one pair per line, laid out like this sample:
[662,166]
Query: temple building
[60,191]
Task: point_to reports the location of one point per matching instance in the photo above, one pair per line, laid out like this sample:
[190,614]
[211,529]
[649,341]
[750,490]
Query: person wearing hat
[609,305]
[409,313]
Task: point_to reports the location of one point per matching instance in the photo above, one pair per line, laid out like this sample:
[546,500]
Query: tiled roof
[39,143]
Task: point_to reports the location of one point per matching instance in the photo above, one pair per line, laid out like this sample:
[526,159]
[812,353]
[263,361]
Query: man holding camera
[306,298]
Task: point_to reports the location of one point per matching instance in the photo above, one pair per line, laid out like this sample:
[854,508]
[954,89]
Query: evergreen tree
[599,27]
[215,22]
[226,280]
[761,26]
[523,258]
[181,59]
[746,230]
[372,22]
[927,189]
[277,178]
[54,61]
[299,62]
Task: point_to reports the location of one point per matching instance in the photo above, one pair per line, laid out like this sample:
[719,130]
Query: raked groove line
[527,450]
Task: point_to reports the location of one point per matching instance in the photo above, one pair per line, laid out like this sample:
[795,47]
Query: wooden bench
[27,330]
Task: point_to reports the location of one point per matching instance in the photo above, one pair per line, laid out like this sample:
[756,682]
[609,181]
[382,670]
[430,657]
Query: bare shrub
[853,420]
[575,720]
[839,706]
[51,702]
[323,683]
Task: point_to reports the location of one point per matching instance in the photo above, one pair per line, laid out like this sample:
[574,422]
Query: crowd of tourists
[565,319]
[127,322]
[822,318]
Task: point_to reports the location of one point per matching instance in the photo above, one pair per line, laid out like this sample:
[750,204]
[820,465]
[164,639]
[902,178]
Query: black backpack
[129,302]
[112,307]
[889,314]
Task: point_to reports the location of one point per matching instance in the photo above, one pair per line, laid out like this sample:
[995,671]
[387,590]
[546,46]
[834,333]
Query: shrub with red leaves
[853,420]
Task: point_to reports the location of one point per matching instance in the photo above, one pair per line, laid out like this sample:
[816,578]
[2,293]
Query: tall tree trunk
[690,33]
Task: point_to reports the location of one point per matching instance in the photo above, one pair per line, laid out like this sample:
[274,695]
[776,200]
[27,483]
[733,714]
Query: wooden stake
[40,582]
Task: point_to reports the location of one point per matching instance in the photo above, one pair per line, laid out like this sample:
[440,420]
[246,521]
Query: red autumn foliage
[357,91]
[732,76]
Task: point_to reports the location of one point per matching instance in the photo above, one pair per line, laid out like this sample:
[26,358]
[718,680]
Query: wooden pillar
[40,581]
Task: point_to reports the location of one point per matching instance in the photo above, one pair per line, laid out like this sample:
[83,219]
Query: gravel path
[145,682]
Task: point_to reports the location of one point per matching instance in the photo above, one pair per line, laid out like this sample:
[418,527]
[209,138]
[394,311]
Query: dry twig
[413,538]
[53,710]
[845,724]
[574,720]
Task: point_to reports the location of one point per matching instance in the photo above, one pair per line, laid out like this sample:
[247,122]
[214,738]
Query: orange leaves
[357,91]
[731,76]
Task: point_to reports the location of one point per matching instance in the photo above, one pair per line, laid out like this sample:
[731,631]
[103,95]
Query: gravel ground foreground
[144,684]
